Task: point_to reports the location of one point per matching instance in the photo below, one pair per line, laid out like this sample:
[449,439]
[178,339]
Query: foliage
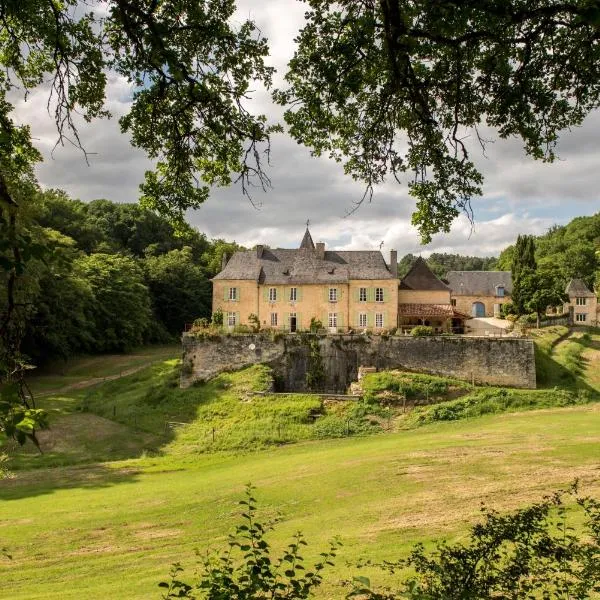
[441,262]
[179,288]
[533,552]
[254,322]
[315,325]
[217,317]
[389,89]
[492,401]
[315,371]
[122,305]
[246,570]
[421,331]
[541,289]
[523,268]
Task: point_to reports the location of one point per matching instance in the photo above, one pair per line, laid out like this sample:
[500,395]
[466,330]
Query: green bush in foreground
[421,331]
[530,553]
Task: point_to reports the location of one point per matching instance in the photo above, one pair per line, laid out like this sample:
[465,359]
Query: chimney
[320,250]
[259,250]
[223,260]
[394,263]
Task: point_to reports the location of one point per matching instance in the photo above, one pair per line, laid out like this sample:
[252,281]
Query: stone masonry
[495,361]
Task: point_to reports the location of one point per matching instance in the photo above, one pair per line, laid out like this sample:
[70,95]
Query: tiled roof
[479,283]
[282,266]
[421,277]
[444,311]
[577,287]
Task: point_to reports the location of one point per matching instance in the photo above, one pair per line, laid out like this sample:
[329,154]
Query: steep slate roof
[479,283]
[421,277]
[307,241]
[444,311]
[283,266]
[577,288]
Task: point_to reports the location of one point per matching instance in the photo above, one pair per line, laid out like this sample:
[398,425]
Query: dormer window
[331,270]
[500,291]
[286,271]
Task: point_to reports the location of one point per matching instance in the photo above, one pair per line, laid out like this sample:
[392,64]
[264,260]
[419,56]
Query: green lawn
[110,531]
[138,473]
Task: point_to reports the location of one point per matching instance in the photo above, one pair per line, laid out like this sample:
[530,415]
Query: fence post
[213,434]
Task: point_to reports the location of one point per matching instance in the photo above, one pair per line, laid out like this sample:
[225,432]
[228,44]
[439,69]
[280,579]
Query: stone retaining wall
[496,361]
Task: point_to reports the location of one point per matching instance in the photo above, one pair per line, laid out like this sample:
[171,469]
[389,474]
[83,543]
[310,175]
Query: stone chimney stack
[223,260]
[394,263]
[320,250]
[259,250]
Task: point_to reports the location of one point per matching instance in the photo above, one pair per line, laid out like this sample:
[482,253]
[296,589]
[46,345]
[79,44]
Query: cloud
[520,195]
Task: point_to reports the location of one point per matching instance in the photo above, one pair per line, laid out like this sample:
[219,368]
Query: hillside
[149,472]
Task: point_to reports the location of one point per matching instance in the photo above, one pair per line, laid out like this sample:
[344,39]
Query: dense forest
[111,277]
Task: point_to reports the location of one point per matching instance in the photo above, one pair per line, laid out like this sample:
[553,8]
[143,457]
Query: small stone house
[582,304]
[424,299]
[479,293]
[287,288]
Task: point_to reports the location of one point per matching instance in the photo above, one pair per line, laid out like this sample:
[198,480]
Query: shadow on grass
[29,484]
[551,373]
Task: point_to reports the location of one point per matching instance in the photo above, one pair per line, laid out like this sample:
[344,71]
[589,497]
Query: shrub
[217,317]
[530,553]
[242,329]
[315,325]
[254,322]
[421,331]
[246,570]
[202,323]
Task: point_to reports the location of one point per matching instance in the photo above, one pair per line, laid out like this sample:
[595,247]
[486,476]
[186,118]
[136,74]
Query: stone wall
[495,361]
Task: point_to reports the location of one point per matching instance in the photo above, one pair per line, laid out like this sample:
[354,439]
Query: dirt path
[79,385]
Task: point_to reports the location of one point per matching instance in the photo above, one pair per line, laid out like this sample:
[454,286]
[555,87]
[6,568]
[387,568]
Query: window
[362,320]
[332,319]
[580,317]
[273,319]
[581,301]
[272,294]
[378,319]
[233,293]
[362,294]
[453,301]
[231,319]
[500,291]
[332,296]
[378,294]
[293,294]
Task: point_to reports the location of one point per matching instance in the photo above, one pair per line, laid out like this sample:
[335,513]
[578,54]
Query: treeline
[112,276]
[566,252]
[441,263]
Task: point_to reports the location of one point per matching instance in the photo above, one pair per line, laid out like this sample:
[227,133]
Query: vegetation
[421,331]
[441,262]
[255,574]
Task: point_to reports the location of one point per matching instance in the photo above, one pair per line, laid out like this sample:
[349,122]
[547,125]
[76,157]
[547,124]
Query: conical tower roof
[307,241]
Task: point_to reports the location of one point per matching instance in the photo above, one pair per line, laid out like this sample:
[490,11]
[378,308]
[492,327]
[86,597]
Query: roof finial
[307,223]
[381,245]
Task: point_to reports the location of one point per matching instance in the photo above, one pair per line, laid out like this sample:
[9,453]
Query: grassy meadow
[137,474]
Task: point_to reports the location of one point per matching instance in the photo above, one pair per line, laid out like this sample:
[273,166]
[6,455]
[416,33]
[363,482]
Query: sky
[519,195]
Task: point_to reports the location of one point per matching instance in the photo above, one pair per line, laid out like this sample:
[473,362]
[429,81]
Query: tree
[122,307]
[523,267]
[394,88]
[179,288]
[541,289]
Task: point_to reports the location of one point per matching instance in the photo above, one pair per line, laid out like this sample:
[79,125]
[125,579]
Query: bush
[217,317]
[315,325]
[254,322]
[530,553]
[421,331]
[246,570]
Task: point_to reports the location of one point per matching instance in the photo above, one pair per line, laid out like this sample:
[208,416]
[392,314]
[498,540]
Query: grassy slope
[70,526]
[67,529]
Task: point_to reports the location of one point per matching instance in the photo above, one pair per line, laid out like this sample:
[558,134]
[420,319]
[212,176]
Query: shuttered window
[378,319]
[362,319]
[362,294]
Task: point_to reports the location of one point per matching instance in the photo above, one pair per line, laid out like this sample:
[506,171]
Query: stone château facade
[287,288]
